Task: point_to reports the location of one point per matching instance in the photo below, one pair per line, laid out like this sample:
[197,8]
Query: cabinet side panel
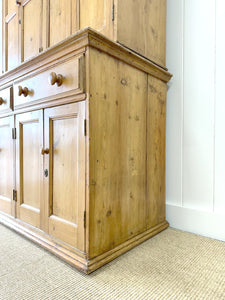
[141,26]
[156,132]
[117,165]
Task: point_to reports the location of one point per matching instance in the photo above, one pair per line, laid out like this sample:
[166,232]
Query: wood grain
[118,95]
[60,20]
[65,185]
[26,33]
[6,166]
[11,42]
[7,98]
[29,166]
[147,34]
[97,14]
[109,168]
[156,139]
[31,34]
[39,86]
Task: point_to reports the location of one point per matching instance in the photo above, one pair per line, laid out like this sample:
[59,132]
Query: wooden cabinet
[89,163]
[31,26]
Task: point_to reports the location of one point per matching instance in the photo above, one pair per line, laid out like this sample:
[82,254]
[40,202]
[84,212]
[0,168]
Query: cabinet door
[29,166]
[10,35]
[65,186]
[6,165]
[97,14]
[31,20]
[62,19]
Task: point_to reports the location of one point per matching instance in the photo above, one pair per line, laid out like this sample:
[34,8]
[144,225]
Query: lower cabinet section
[82,173]
[50,171]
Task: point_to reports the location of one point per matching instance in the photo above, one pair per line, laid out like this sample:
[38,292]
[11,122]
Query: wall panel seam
[214,109]
[182,100]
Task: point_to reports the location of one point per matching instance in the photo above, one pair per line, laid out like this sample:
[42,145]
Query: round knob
[2,101]
[44,151]
[23,91]
[55,78]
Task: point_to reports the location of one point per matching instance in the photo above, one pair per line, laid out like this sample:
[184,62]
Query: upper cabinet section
[30,26]
[22,31]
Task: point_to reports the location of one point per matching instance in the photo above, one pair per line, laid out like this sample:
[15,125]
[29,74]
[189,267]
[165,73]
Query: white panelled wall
[195,168]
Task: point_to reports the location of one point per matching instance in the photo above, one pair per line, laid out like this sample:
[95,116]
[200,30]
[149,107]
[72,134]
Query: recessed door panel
[64,137]
[32,28]
[97,14]
[29,166]
[65,168]
[62,20]
[11,42]
[6,165]
[10,34]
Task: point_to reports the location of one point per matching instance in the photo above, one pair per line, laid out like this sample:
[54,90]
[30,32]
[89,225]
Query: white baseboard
[200,222]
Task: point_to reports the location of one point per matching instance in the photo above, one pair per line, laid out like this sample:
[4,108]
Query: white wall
[195,174]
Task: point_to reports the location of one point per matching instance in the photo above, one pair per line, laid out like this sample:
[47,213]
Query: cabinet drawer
[65,78]
[6,100]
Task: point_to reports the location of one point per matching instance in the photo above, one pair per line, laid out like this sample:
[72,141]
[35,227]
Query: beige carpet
[171,265]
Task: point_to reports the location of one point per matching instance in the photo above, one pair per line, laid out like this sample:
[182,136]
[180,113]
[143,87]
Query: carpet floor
[171,265]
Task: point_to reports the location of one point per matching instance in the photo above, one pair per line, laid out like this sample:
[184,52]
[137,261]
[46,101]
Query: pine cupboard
[31,26]
[84,141]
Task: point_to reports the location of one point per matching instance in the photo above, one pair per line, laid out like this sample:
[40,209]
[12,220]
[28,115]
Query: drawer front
[50,83]
[6,100]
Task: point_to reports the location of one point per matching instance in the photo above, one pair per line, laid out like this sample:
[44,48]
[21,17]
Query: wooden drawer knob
[2,101]
[44,151]
[55,78]
[23,91]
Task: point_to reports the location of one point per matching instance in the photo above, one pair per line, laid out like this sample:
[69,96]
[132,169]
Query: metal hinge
[113,11]
[15,195]
[13,133]
[85,219]
[85,127]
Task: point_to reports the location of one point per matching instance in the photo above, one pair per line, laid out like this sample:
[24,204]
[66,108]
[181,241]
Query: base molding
[209,224]
[73,256]
[108,256]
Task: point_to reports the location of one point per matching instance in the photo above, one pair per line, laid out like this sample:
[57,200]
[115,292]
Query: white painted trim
[200,222]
